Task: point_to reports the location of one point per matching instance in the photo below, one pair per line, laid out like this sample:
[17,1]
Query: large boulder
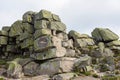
[58,65]
[104,34]
[43,14]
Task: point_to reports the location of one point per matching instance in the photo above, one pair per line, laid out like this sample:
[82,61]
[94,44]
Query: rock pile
[38,48]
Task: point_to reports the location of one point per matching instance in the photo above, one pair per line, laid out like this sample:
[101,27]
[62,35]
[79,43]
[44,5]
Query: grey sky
[79,15]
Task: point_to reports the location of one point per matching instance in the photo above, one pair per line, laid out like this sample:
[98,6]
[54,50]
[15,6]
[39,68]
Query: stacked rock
[3,41]
[108,43]
[38,48]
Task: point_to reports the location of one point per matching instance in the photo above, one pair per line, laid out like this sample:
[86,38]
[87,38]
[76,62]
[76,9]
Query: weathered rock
[83,61]
[11,48]
[41,24]
[107,52]
[73,34]
[101,47]
[104,34]
[28,28]
[64,76]
[30,69]
[3,40]
[49,53]
[63,36]
[3,33]
[55,17]
[41,32]
[27,43]
[16,29]
[113,43]
[42,43]
[68,43]
[99,54]
[43,14]
[24,36]
[108,64]
[58,65]
[28,16]
[72,53]
[14,70]
[6,28]
[84,42]
[57,26]
[115,48]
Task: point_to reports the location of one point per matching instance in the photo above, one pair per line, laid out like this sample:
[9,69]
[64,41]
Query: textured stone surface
[28,16]
[55,66]
[58,26]
[84,42]
[3,40]
[43,42]
[41,32]
[41,24]
[113,43]
[104,34]
[43,14]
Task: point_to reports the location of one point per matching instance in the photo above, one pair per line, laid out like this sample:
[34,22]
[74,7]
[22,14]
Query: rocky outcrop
[39,48]
[105,35]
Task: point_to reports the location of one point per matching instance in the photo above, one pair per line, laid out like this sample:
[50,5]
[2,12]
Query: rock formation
[38,48]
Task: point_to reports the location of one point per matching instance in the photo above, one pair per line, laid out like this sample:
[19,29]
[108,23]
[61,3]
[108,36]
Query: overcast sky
[79,15]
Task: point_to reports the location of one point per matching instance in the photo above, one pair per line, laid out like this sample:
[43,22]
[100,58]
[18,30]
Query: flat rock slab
[54,66]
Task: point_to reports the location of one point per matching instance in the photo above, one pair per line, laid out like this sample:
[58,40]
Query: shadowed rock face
[38,48]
